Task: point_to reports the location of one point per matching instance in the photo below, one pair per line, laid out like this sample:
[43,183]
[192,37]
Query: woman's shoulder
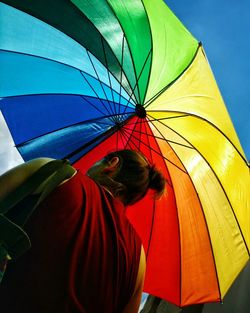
[19,174]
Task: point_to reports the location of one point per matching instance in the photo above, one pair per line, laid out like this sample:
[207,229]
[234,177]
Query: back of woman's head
[134,176]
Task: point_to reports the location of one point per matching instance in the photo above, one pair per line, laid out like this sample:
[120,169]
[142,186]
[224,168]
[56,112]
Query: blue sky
[223,27]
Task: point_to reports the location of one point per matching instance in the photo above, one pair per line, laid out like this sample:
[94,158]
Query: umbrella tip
[140,111]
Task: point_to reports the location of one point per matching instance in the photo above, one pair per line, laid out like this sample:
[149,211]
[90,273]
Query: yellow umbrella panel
[194,130]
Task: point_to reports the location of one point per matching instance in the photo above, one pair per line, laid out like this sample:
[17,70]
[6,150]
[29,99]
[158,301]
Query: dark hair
[133,177]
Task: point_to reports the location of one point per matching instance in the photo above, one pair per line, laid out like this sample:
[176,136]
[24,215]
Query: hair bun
[157,181]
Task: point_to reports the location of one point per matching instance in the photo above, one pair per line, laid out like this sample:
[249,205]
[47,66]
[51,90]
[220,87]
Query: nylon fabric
[134,21]
[116,141]
[48,42]
[198,271]
[103,18]
[164,220]
[29,75]
[29,112]
[160,131]
[173,49]
[197,93]
[109,80]
[227,163]
[103,91]
[43,40]
[66,11]
[67,141]
[228,246]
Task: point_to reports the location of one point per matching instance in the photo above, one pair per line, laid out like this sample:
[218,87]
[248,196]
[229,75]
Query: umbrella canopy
[82,78]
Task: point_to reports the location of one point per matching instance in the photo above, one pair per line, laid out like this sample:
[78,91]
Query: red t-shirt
[84,257]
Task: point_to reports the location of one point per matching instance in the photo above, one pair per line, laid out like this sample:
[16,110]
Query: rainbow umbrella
[81,78]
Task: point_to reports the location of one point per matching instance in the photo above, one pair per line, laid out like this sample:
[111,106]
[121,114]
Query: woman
[85,255]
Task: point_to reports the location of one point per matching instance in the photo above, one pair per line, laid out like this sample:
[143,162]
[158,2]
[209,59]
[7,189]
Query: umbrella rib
[55,61]
[128,122]
[200,118]
[111,110]
[79,149]
[114,54]
[130,52]
[140,135]
[145,123]
[216,273]
[154,210]
[106,62]
[115,115]
[169,183]
[133,90]
[159,119]
[151,229]
[95,92]
[162,138]
[215,269]
[103,123]
[111,117]
[174,80]
[117,139]
[126,138]
[128,135]
[104,40]
[144,64]
[150,52]
[120,80]
[79,42]
[222,187]
[104,99]
[103,135]
[72,125]
[82,74]
[123,39]
[95,107]
[58,94]
[182,114]
[139,76]
[148,146]
[44,58]
[96,139]
[123,139]
[208,233]
[121,136]
[130,143]
[170,141]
